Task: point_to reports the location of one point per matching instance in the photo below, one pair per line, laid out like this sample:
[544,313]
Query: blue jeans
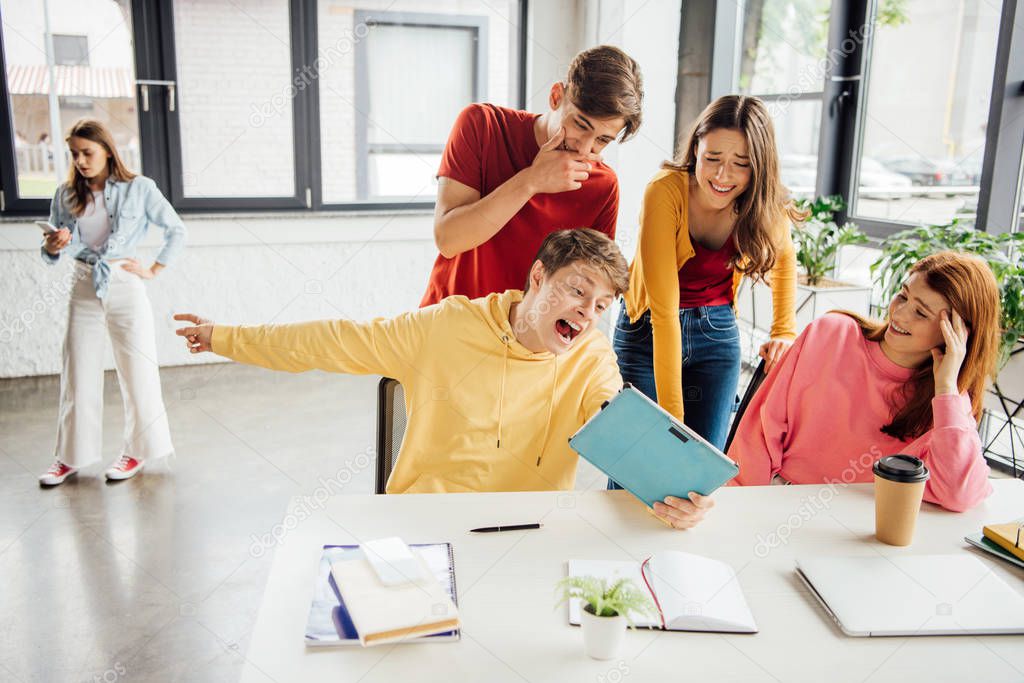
[711,365]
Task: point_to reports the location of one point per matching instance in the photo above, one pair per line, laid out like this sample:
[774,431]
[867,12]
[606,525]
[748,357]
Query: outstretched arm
[385,346]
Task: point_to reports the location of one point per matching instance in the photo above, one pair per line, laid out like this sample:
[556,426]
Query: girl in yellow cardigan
[715,214]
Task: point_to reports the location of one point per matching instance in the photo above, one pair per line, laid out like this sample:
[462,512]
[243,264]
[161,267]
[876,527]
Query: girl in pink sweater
[850,390]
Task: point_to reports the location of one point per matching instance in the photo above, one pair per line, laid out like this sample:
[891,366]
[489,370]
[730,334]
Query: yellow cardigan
[654,280]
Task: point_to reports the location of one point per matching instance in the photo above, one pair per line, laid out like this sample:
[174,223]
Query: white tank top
[94,223]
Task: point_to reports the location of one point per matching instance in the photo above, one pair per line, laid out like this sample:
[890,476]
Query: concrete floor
[160,577]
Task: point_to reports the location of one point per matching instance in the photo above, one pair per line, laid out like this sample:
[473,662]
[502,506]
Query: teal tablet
[648,452]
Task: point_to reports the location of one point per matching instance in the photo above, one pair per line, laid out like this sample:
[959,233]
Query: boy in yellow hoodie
[494,387]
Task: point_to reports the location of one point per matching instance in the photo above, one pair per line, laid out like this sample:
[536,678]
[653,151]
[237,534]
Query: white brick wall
[235,269]
[234,71]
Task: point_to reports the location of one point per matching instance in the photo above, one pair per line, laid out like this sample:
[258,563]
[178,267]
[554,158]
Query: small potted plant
[1003,254]
[606,611]
[818,241]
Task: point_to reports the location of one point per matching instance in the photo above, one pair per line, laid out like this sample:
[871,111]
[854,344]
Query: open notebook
[692,592]
[329,621]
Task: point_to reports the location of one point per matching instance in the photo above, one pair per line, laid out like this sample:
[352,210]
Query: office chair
[755,382]
[390,428]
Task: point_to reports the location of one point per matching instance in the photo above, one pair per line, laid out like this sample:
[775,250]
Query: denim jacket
[132,206]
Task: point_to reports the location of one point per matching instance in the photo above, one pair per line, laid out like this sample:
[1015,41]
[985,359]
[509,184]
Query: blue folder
[648,452]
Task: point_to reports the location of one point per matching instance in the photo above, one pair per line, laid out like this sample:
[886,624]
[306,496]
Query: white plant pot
[602,636]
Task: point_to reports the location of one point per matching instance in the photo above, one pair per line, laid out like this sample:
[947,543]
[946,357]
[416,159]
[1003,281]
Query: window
[234,98]
[263,104]
[919,114]
[922,130]
[96,83]
[400,141]
[71,50]
[385,111]
[783,61]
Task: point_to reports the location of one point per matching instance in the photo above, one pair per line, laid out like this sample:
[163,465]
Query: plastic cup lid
[902,468]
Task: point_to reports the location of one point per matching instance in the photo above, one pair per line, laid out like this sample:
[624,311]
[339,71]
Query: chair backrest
[390,428]
[755,382]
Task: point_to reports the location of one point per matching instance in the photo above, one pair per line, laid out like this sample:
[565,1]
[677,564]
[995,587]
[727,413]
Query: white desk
[512,633]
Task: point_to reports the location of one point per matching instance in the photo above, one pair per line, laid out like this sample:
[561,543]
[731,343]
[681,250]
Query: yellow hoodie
[484,412]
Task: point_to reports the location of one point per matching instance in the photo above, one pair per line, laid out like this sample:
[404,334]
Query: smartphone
[46,227]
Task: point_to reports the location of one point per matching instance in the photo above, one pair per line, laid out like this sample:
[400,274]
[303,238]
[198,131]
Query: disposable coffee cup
[899,488]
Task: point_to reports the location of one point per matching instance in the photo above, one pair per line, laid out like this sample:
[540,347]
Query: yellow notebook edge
[424,629]
[995,534]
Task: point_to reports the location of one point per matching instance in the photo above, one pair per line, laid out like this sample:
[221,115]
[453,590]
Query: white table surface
[511,631]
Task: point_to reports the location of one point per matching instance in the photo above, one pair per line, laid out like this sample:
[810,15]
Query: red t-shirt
[487,146]
[706,279]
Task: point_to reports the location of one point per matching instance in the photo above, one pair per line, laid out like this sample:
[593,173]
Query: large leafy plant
[1002,252]
[623,597]
[818,239]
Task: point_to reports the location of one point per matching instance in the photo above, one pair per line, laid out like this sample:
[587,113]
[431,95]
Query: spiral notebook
[329,622]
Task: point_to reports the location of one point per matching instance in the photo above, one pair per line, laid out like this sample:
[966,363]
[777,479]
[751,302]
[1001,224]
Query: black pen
[511,527]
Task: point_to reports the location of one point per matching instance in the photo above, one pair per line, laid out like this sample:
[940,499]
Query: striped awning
[72,81]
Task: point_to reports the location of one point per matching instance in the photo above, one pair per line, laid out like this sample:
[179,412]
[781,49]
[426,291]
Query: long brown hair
[77,194]
[969,286]
[764,203]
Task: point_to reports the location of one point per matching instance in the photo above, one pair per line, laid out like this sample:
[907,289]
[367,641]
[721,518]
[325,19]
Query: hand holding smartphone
[54,238]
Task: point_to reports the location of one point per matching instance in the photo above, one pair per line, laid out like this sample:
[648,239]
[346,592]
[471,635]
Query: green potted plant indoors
[1003,254]
[818,241]
[606,610]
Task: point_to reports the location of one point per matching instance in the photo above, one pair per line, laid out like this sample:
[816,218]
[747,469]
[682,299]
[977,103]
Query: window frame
[160,129]
[772,98]
[297,22]
[844,112]
[476,24]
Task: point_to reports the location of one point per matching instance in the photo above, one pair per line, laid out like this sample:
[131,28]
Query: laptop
[914,595]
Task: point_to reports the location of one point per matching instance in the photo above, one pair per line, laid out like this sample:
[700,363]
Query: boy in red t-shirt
[508,178]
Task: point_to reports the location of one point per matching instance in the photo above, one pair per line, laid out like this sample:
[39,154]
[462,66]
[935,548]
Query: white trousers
[127,317]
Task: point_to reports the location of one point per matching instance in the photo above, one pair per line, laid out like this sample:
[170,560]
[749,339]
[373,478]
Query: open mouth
[721,190]
[896,329]
[567,330]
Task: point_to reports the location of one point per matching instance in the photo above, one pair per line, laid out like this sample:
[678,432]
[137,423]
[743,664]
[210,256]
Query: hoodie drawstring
[551,409]
[501,393]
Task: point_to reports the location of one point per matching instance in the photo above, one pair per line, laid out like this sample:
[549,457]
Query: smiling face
[914,318]
[90,158]
[722,170]
[583,133]
[560,307]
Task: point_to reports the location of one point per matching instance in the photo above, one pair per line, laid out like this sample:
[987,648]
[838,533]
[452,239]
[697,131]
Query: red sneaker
[57,473]
[125,468]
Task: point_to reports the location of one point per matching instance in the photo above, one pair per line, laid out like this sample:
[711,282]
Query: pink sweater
[818,415]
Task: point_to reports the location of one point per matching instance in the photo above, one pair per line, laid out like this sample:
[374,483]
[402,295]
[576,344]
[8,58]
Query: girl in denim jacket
[102,212]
